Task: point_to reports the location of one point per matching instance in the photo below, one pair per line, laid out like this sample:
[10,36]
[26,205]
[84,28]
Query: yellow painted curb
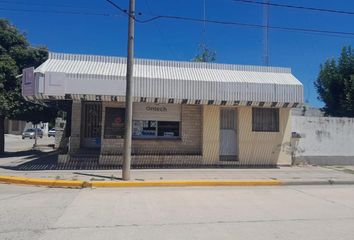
[42,182]
[161,183]
[182,183]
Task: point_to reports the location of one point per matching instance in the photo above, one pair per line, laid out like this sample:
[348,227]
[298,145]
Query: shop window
[156,129]
[265,120]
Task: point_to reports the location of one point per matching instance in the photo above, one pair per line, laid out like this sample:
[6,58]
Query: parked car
[51,132]
[30,133]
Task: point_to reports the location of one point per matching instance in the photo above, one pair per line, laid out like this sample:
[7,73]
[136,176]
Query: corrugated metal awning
[103,77]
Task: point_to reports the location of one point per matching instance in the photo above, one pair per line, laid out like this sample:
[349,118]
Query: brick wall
[190,142]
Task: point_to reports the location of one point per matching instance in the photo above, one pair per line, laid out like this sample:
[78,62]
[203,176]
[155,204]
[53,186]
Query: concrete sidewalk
[14,164]
[291,175]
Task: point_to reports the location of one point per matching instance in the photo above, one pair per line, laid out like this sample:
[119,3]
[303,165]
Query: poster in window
[138,128]
[114,123]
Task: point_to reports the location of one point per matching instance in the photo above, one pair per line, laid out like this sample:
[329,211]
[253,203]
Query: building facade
[184,113]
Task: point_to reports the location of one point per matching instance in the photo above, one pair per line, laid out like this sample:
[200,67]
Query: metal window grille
[265,120]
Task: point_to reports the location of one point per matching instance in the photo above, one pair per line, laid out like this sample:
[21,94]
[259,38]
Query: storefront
[184,114]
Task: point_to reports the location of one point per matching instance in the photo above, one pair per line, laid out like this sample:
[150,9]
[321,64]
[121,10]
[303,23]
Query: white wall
[324,136]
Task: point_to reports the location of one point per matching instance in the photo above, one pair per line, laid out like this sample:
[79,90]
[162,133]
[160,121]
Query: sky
[79,27]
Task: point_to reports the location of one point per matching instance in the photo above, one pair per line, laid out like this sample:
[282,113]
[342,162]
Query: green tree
[204,54]
[335,84]
[16,54]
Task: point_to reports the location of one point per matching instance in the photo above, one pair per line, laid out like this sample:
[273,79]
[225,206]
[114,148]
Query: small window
[155,129]
[168,129]
[265,120]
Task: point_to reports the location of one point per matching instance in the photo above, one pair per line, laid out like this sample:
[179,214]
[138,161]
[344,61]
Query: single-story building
[184,113]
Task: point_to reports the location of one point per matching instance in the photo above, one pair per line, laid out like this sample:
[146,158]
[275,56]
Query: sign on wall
[28,83]
[157,111]
[114,123]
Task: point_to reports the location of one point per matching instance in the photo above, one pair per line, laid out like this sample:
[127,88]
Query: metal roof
[183,80]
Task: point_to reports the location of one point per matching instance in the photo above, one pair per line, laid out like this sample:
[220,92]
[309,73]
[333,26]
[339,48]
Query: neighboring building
[184,113]
[308,111]
[15,127]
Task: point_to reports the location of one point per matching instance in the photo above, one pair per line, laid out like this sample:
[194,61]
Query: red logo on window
[118,120]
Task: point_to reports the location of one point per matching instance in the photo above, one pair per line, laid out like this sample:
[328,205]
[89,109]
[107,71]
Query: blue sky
[178,40]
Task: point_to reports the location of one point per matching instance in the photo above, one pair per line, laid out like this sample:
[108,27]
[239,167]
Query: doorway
[92,124]
[228,134]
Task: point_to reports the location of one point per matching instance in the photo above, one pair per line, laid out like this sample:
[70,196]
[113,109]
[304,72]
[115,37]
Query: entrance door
[228,135]
[92,121]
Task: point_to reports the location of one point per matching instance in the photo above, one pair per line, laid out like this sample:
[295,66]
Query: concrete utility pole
[35,137]
[128,94]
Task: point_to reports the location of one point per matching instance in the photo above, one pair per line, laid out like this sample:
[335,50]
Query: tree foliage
[16,54]
[205,54]
[335,84]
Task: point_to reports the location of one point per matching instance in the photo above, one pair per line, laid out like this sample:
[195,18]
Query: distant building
[184,113]
[15,127]
[307,111]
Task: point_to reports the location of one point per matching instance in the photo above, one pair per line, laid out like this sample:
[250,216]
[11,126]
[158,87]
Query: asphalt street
[306,212]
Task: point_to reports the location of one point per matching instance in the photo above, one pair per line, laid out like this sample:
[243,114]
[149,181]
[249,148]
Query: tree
[335,84]
[205,54]
[16,54]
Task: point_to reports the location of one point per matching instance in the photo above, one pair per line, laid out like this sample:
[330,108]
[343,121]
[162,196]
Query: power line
[306,30]
[222,22]
[162,35]
[266,33]
[124,10]
[31,4]
[118,7]
[296,7]
[59,12]
[191,19]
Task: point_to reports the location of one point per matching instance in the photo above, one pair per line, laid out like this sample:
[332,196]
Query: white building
[184,113]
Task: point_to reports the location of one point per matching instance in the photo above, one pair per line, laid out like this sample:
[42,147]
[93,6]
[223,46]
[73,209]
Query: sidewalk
[300,175]
[304,175]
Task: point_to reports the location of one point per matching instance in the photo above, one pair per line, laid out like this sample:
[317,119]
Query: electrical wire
[172,51]
[59,12]
[296,7]
[307,30]
[304,30]
[190,19]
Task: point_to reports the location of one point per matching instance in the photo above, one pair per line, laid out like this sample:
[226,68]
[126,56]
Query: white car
[30,133]
[51,132]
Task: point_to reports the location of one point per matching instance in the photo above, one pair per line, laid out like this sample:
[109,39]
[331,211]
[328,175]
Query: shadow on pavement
[35,160]
[99,176]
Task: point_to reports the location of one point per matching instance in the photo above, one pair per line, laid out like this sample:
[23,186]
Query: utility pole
[35,137]
[128,94]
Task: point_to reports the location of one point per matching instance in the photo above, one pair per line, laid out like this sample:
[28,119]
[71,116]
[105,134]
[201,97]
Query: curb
[318,182]
[173,183]
[42,182]
[185,183]
[163,183]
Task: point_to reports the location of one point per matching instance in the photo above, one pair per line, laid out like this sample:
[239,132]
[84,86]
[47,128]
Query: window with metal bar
[265,120]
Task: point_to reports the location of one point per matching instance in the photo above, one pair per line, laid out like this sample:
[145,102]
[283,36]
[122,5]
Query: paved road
[308,212]
[15,143]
